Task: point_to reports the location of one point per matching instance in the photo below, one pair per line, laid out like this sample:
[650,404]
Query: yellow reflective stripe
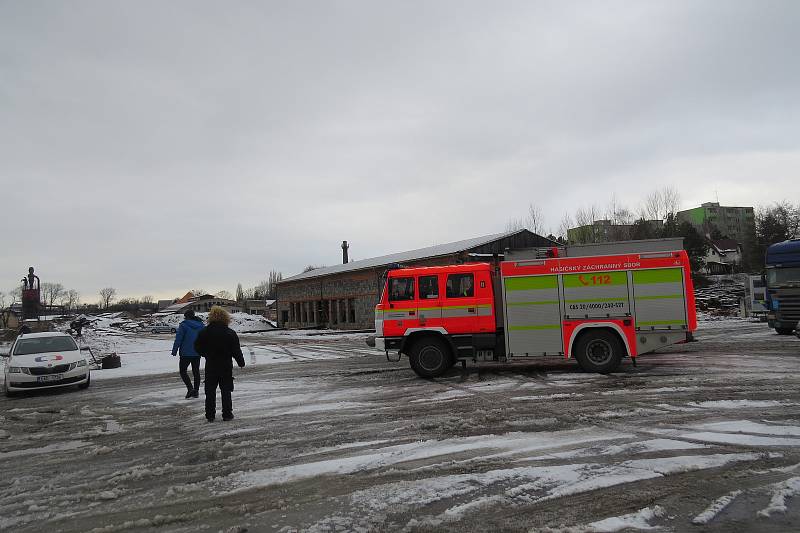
[658,275]
[531,283]
[540,302]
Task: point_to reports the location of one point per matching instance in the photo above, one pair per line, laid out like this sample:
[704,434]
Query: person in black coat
[219,344]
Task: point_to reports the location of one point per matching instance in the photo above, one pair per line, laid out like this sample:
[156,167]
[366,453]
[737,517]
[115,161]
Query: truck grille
[789,303]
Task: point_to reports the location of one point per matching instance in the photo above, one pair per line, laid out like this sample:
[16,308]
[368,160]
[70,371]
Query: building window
[460,286]
[428,287]
[352,307]
[401,289]
[342,310]
[284,317]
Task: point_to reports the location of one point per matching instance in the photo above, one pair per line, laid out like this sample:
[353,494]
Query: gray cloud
[160,146]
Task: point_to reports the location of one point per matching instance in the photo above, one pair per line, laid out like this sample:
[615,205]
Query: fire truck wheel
[784,331]
[430,357]
[599,351]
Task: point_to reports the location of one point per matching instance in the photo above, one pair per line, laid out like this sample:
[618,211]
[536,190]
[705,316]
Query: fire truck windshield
[783,276]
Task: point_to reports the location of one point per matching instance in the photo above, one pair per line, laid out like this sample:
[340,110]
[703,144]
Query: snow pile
[638,520]
[782,491]
[240,322]
[715,508]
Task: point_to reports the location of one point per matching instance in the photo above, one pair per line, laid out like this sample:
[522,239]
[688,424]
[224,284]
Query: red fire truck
[596,309]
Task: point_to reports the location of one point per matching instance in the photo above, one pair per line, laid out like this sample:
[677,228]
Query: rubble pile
[722,296]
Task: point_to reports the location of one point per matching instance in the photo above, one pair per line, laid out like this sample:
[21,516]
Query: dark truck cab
[782,276]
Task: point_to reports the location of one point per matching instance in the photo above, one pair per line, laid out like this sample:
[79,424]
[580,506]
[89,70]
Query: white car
[45,361]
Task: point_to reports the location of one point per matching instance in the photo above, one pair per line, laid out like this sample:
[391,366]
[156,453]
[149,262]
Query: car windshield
[780,276]
[44,345]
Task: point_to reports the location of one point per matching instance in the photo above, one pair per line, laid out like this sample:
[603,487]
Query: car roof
[43,334]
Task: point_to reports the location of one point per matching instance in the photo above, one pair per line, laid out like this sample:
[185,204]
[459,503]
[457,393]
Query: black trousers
[225,384]
[184,365]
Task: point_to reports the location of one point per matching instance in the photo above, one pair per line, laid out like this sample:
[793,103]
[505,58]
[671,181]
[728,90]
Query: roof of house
[400,257]
[724,245]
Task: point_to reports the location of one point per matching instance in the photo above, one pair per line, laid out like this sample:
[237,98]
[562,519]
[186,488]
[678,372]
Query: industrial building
[343,296]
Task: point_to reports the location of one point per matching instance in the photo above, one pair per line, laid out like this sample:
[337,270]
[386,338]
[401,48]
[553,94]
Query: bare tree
[224,294]
[533,221]
[661,203]
[274,278]
[239,293]
[564,226]
[72,299]
[586,232]
[147,299]
[671,199]
[106,295]
[309,268]
[198,292]
[51,292]
[3,311]
[620,219]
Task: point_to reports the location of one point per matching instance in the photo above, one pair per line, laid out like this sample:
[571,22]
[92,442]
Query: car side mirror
[85,349]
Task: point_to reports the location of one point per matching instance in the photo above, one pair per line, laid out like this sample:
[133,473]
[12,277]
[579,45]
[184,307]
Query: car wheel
[8,393]
[153,331]
[430,357]
[599,351]
[172,330]
[86,385]
[784,331]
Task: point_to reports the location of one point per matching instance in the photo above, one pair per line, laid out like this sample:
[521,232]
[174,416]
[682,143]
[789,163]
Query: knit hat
[189,314]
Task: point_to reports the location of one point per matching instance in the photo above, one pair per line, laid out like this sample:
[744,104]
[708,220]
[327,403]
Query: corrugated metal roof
[411,255]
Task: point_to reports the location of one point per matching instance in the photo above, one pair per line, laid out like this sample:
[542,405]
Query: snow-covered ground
[144,353]
[701,436]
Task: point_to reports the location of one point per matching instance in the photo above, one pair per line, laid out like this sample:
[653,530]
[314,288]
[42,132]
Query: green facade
[737,223]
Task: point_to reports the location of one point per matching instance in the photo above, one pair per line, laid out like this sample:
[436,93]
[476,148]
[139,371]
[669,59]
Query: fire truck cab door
[460,310]
[429,307]
[402,309]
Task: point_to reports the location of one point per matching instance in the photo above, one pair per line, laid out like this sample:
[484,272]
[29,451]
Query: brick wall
[351,296]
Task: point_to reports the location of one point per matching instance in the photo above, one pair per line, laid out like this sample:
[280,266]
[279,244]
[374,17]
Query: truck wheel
[784,331]
[430,357]
[86,385]
[599,351]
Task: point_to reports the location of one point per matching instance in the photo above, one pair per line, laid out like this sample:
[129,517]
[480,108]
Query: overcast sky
[157,147]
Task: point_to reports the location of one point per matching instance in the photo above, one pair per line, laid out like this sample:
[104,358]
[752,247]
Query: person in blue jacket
[184,343]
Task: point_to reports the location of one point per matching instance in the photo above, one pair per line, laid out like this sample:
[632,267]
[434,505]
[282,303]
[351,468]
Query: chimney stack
[345,247]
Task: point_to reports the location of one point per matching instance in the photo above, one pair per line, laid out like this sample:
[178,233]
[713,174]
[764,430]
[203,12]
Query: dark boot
[211,397]
[227,405]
